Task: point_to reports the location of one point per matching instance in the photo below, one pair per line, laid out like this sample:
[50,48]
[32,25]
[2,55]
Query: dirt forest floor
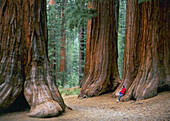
[105,108]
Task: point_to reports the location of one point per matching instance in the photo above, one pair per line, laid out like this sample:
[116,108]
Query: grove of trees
[67,23]
[98,45]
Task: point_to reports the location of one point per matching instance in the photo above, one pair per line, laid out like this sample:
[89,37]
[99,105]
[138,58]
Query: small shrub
[69,91]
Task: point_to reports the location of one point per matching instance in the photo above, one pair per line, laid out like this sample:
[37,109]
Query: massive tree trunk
[24,64]
[101,70]
[146,68]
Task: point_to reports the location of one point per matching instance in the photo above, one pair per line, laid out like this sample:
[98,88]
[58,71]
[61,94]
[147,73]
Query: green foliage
[77,13]
[82,49]
[69,91]
[69,77]
[121,35]
[121,39]
[54,32]
[72,59]
[140,1]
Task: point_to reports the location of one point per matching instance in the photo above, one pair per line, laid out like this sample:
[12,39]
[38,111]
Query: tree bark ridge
[24,62]
[100,72]
[146,60]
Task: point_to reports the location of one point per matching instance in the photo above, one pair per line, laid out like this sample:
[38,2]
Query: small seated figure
[122,92]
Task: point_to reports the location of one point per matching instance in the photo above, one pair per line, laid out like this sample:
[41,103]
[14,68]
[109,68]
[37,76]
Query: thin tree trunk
[62,47]
[146,68]
[81,52]
[51,2]
[24,65]
[101,70]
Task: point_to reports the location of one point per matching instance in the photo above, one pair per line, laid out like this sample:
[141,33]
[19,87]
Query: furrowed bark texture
[101,70]
[24,64]
[146,68]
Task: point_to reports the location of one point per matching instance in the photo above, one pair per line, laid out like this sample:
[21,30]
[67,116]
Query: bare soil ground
[105,108]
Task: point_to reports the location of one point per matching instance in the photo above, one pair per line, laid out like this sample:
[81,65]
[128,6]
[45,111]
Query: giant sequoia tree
[101,70]
[146,68]
[24,64]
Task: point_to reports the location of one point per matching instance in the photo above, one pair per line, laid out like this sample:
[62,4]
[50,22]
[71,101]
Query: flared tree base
[46,109]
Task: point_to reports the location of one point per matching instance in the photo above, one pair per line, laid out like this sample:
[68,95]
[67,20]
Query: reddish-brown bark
[146,67]
[62,48]
[62,43]
[101,71]
[51,2]
[24,64]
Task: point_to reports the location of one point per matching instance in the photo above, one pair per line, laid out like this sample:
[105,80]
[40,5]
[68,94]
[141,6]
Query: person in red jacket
[122,92]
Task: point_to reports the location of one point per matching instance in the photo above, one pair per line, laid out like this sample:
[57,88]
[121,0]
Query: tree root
[47,109]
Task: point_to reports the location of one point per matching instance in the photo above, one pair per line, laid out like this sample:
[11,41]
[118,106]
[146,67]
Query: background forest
[67,24]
